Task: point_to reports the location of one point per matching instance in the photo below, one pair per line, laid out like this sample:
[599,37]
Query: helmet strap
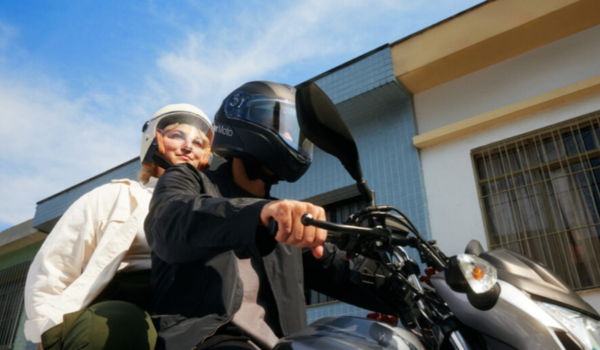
[254,171]
[158,150]
[161,161]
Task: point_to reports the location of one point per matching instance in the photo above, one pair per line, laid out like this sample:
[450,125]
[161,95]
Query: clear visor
[182,117]
[280,117]
[178,136]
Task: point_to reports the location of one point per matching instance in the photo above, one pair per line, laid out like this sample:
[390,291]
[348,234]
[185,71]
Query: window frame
[540,173]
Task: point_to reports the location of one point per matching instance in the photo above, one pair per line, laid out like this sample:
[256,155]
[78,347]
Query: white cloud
[207,65]
[52,141]
[54,137]
[254,40]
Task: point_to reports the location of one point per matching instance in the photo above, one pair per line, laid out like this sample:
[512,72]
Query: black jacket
[198,223]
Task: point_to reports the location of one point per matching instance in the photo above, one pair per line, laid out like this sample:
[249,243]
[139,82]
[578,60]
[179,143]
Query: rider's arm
[188,218]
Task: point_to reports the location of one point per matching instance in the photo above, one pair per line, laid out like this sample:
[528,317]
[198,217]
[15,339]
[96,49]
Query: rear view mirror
[322,124]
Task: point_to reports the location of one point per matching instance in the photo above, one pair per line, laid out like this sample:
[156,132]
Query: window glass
[540,197]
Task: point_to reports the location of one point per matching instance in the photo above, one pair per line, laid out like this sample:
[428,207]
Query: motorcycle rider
[219,279]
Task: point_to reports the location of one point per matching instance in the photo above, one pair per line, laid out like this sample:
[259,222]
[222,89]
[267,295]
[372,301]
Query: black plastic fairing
[533,278]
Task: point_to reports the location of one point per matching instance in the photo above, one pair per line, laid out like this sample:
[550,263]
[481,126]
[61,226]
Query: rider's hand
[288,213]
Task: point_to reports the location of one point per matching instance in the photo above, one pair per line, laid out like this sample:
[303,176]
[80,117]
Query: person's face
[184,144]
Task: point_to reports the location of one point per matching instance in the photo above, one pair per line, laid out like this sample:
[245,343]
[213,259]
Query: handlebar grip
[274,225]
[307,219]
[273,228]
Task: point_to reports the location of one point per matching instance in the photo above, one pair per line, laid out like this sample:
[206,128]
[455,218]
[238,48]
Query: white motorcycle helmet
[152,146]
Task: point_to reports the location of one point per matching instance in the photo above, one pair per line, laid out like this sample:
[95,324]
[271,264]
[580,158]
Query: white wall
[544,69]
[450,185]
[454,211]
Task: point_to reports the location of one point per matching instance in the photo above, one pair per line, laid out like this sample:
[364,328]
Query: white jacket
[82,253]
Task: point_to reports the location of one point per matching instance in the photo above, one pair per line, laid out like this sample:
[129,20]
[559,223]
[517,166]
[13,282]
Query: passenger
[219,280]
[89,284]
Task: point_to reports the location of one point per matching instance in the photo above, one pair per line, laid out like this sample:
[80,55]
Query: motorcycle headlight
[584,328]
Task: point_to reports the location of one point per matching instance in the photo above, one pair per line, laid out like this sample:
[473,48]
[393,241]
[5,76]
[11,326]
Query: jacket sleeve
[185,221]
[57,264]
[330,275]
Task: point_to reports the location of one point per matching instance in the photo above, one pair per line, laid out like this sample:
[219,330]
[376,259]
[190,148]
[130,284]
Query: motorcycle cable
[307,219]
[437,257]
[412,241]
[418,294]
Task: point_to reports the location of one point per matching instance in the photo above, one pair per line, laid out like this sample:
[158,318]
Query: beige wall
[539,71]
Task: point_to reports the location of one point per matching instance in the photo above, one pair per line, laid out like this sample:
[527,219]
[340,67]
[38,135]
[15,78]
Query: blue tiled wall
[382,123]
[362,76]
[380,117]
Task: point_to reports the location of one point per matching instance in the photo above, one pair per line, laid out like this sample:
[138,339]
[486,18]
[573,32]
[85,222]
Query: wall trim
[334,196]
[520,109]
[484,35]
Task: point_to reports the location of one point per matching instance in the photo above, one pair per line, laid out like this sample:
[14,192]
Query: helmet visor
[280,117]
[182,117]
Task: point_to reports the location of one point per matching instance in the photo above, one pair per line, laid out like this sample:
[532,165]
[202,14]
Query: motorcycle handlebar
[336,231]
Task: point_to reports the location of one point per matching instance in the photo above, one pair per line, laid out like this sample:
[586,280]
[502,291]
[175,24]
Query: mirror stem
[366,193]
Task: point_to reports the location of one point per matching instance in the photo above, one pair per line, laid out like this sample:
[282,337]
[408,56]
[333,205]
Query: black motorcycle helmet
[257,123]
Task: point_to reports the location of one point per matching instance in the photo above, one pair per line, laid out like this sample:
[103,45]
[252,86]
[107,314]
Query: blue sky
[79,78]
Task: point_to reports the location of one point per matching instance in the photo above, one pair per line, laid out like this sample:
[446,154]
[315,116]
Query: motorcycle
[492,300]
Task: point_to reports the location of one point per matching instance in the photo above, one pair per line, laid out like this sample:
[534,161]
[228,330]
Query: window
[540,197]
[12,284]
[336,212]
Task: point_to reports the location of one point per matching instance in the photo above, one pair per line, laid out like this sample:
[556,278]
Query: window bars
[12,284]
[540,197]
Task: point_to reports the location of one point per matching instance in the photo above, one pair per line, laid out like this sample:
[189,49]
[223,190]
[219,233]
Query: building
[485,125]
[18,246]
[508,132]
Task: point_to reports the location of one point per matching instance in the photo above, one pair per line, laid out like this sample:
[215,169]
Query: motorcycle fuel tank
[345,333]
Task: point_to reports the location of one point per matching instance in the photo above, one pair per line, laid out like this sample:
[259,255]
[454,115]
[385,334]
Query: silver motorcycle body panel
[537,280]
[345,333]
[515,319]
